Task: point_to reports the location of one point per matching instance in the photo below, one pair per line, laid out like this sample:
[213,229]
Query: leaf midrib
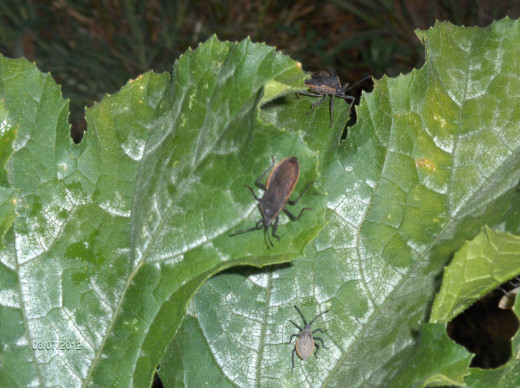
[95,360]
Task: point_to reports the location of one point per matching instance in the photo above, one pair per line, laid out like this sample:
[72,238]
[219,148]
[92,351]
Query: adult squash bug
[323,84]
[305,343]
[279,187]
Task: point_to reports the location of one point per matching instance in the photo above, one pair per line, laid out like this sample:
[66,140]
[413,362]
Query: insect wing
[283,179]
[317,78]
[280,184]
[332,82]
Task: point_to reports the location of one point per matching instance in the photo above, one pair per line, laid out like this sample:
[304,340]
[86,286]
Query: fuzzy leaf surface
[115,235]
[480,266]
[434,156]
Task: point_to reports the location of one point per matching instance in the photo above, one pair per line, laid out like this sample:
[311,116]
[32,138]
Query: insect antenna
[301,315]
[346,88]
[319,315]
[266,233]
[259,225]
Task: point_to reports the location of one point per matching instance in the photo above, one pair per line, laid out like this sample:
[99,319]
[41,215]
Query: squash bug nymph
[279,187]
[305,343]
[323,84]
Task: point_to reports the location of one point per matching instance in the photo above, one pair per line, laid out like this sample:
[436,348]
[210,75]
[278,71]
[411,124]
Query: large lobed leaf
[435,155]
[481,265]
[115,235]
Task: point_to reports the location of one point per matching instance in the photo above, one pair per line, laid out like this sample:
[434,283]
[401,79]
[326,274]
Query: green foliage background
[113,237]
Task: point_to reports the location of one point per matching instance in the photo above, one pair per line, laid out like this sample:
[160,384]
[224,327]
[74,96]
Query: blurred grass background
[94,47]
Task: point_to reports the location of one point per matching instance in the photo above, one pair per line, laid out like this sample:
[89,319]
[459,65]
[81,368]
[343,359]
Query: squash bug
[323,84]
[278,188]
[305,343]
[508,299]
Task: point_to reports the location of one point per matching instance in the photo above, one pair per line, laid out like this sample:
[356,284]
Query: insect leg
[294,351]
[347,97]
[331,109]
[319,339]
[266,233]
[290,339]
[292,216]
[299,328]
[301,315]
[299,196]
[260,184]
[309,94]
[314,105]
[252,192]
[275,226]
[320,330]
[342,93]
[317,348]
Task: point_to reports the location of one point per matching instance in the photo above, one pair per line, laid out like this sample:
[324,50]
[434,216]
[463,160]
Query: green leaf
[506,376]
[7,137]
[115,235]
[511,220]
[480,266]
[434,156]
[436,361]
[7,195]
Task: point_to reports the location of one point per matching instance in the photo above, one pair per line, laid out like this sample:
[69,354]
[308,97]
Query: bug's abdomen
[304,347]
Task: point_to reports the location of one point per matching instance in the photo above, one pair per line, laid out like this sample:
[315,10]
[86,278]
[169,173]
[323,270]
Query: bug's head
[268,217]
[266,223]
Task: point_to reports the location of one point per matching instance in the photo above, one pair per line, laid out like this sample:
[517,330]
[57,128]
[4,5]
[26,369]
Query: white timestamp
[57,345]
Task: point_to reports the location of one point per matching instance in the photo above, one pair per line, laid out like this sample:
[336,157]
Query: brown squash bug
[323,84]
[305,343]
[279,187]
